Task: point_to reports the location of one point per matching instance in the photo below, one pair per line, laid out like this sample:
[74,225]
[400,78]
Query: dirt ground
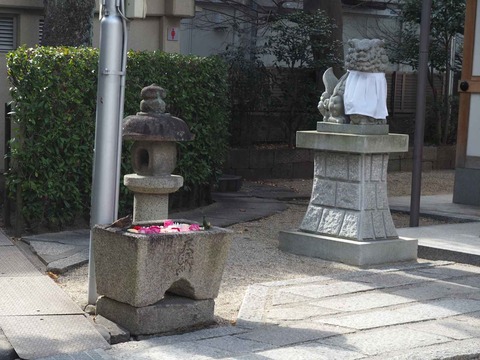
[254,256]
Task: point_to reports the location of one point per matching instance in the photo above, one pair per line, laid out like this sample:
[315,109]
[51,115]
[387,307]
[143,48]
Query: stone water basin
[138,269]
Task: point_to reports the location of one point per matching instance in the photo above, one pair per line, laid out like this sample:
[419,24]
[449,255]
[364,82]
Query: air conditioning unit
[136,9]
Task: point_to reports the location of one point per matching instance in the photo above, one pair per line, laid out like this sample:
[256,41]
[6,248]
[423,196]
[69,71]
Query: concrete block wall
[255,164]
[434,158]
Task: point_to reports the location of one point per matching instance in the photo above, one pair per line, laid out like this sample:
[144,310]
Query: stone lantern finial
[152,99]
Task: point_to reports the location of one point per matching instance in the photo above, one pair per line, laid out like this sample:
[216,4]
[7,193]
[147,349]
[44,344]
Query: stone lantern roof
[152,123]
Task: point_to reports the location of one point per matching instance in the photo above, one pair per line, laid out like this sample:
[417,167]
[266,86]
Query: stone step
[37,318]
[453,242]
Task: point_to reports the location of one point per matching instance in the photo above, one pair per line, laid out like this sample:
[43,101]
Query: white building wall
[357,23]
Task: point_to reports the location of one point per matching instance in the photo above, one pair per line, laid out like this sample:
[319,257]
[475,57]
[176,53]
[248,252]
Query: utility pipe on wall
[108,144]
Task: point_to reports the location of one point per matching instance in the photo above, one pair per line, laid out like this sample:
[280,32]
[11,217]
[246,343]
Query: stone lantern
[154,155]
[163,282]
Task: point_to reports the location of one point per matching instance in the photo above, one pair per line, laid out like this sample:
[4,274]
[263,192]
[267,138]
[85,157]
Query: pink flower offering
[194,227]
[167,223]
[169,226]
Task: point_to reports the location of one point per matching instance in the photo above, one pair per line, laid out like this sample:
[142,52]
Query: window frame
[14,22]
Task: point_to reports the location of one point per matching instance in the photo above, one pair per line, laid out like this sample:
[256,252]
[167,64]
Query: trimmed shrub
[54,92]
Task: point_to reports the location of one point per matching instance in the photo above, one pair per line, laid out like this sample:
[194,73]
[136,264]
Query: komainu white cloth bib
[366,94]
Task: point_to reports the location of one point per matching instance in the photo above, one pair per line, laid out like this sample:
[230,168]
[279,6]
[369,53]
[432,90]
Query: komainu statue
[359,96]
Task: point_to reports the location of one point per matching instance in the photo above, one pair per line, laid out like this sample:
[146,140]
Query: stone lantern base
[173,313]
[348,218]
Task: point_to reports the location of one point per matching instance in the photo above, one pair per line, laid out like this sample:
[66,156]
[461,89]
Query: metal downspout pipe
[108,144]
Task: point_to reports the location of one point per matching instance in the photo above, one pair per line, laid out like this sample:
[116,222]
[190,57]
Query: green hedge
[54,92]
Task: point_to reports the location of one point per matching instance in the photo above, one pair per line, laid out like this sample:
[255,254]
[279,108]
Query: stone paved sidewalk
[428,310]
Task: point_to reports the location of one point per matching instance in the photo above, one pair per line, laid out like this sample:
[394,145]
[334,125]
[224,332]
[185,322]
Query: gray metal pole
[106,169]
[420,113]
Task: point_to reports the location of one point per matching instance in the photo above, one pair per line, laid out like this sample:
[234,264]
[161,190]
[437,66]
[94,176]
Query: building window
[41,22]
[7,33]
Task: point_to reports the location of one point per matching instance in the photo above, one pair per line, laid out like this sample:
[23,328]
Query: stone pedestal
[348,218]
[173,313]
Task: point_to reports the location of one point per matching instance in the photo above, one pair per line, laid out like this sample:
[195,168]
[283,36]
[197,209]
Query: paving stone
[103,331]
[41,336]
[234,345]
[284,298]
[125,350]
[13,263]
[308,351]
[449,271]
[6,350]
[201,334]
[51,251]
[363,301]
[325,330]
[433,290]
[379,341]
[253,306]
[463,268]
[4,240]
[464,349]
[306,280]
[132,347]
[295,312]
[74,237]
[458,327]
[400,315]
[410,265]
[472,281]
[389,279]
[318,291]
[36,295]
[117,333]
[62,265]
[178,351]
[282,336]
[97,354]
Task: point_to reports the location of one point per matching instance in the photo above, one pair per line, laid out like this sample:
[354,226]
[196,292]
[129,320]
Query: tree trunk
[68,22]
[333,9]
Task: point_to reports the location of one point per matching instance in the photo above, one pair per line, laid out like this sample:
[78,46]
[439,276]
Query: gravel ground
[254,256]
